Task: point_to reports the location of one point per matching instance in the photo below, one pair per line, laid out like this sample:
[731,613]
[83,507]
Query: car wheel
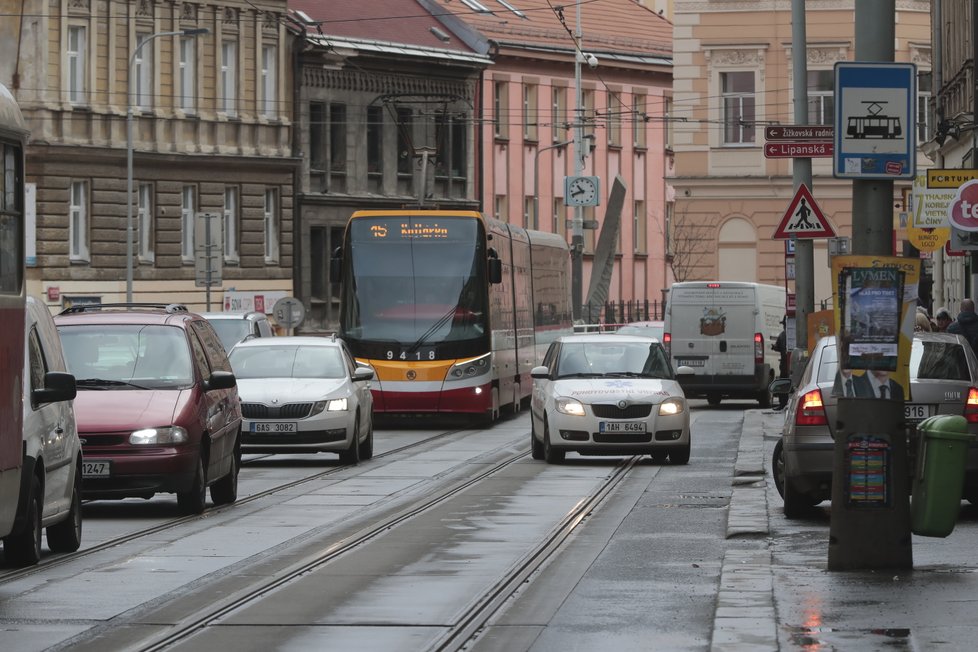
[713,399]
[225,490]
[65,536]
[24,548]
[194,500]
[536,446]
[680,455]
[550,454]
[367,447]
[777,467]
[796,504]
[351,456]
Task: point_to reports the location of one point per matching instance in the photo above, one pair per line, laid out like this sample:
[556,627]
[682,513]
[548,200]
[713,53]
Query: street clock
[582,191]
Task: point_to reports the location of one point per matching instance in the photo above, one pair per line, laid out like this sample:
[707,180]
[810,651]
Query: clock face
[582,191]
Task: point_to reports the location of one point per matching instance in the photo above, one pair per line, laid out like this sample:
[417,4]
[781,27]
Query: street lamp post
[129,228]
[536,179]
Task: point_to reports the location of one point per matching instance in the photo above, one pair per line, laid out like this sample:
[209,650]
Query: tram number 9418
[413,355]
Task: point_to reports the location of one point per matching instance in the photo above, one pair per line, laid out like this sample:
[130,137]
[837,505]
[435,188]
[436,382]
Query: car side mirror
[361,374]
[540,372]
[780,386]
[220,380]
[58,386]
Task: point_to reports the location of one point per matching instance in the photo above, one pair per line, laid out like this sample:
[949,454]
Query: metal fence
[622,312]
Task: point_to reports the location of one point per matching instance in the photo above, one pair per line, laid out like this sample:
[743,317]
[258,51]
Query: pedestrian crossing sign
[803,219]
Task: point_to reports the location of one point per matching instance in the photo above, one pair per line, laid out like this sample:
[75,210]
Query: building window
[76,64]
[737,89]
[337,137]
[188,213]
[144,222]
[639,116]
[269,59]
[501,208]
[450,145]
[78,222]
[588,115]
[229,72]
[558,106]
[317,135]
[230,224]
[667,118]
[589,234]
[375,140]
[500,109]
[529,215]
[560,217]
[530,118]
[924,87]
[405,141]
[271,225]
[821,97]
[640,226]
[614,112]
[143,72]
[187,74]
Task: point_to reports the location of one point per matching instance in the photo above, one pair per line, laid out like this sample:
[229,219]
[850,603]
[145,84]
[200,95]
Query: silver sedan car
[303,394]
[599,394]
[943,380]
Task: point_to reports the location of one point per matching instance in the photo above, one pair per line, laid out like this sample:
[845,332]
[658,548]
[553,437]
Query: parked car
[943,380]
[598,394]
[234,327]
[50,491]
[157,405]
[304,394]
[646,328]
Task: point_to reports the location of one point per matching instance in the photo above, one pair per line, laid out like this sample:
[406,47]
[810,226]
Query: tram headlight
[470,368]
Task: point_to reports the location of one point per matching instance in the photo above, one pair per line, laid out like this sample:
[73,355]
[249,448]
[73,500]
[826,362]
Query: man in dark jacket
[966,324]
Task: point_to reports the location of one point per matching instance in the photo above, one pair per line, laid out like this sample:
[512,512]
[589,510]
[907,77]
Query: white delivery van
[724,331]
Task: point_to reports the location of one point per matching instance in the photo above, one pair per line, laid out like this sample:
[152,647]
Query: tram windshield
[415,282]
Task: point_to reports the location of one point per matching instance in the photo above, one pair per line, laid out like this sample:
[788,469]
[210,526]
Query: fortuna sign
[803,219]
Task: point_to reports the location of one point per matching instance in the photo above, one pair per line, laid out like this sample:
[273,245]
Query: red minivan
[157,405]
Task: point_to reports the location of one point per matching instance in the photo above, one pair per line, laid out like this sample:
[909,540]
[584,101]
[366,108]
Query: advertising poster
[821,323]
[875,305]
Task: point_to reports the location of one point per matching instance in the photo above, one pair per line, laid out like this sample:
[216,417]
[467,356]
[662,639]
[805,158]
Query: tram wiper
[434,328]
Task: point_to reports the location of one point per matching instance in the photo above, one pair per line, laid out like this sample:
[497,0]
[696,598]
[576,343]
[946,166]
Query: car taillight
[667,343]
[758,348]
[971,406]
[811,411]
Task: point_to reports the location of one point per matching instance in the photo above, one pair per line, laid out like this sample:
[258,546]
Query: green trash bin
[942,450]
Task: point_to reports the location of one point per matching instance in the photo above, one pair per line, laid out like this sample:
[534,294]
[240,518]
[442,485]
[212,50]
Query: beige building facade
[211,134]
[732,77]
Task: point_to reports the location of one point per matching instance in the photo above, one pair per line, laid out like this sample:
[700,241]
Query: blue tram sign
[875,120]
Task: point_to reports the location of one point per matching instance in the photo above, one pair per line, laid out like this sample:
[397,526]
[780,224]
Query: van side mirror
[58,386]
[220,380]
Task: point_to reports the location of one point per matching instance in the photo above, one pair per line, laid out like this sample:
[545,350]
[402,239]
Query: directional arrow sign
[804,219]
[817,149]
[799,132]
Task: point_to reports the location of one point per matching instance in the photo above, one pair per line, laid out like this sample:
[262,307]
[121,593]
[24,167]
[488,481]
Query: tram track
[63,559]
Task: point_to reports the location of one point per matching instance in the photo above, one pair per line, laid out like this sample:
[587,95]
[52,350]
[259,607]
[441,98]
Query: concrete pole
[877,535]
[577,224]
[801,172]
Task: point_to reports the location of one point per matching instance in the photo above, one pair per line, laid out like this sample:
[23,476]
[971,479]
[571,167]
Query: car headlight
[157,436]
[570,406]
[337,405]
[671,406]
[470,368]
[317,407]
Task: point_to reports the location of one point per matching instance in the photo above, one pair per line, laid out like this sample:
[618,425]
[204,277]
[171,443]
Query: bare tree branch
[690,242]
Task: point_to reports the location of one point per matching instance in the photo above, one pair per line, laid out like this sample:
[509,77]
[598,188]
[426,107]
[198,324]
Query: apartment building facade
[211,134]
[733,77]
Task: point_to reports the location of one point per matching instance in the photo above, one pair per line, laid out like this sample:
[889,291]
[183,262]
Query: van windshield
[127,356]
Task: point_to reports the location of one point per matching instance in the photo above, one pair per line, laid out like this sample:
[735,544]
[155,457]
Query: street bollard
[942,451]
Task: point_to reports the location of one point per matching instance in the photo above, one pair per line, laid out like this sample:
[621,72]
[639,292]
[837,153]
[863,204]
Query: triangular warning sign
[803,219]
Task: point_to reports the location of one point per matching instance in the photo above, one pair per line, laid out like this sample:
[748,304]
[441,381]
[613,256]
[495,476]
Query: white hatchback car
[303,395]
[599,394]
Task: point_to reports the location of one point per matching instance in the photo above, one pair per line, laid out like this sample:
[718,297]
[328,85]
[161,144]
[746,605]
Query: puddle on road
[827,638]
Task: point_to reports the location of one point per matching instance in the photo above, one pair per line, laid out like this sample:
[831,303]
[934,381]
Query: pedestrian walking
[943,319]
[966,324]
[922,323]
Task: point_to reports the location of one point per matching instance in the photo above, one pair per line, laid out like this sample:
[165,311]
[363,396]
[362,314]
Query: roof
[121,317]
[400,27]
[614,28]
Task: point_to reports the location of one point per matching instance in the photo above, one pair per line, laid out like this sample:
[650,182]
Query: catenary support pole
[801,171]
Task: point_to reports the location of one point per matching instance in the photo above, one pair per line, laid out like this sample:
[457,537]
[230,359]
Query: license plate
[622,426]
[917,411]
[273,426]
[96,468]
[690,363]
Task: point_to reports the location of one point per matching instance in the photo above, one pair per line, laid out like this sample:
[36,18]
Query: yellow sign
[949,178]
[928,239]
[820,324]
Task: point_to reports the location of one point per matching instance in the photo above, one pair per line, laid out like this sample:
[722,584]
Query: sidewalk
[777,594]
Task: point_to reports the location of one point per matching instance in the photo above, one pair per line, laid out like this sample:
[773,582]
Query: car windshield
[613,359]
[127,356]
[231,331]
[288,362]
